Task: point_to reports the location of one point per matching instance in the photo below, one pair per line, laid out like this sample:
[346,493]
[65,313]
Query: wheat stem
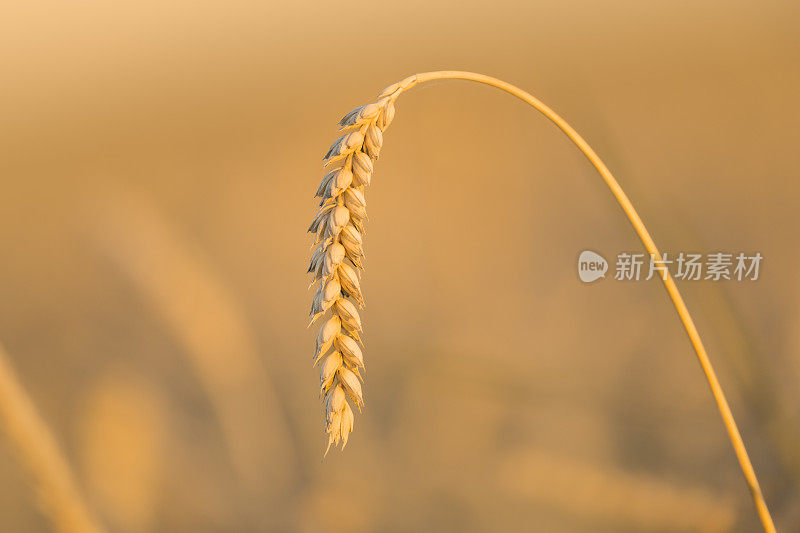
[339,227]
[644,235]
[211,329]
[53,478]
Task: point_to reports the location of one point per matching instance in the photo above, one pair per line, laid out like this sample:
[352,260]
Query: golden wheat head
[337,260]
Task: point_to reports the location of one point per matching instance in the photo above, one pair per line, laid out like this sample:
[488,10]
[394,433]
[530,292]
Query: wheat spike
[337,261]
[341,219]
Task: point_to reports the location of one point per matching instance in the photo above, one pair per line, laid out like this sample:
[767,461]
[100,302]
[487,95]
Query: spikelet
[348,314]
[337,260]
[362,169]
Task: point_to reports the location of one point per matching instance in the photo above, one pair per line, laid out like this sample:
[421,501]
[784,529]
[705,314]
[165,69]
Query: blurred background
[158,162]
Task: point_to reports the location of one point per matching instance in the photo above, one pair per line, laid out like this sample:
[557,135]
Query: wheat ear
[327,228]
[336,261]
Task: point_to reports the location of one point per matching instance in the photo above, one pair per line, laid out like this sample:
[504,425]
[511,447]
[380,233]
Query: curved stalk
[52,476]
[649,244]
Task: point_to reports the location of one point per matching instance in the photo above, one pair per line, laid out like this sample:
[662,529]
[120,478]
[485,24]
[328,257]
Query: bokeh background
[158,161]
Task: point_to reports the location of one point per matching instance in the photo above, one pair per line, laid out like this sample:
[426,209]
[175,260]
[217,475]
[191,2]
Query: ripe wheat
[337,260]
[339,227]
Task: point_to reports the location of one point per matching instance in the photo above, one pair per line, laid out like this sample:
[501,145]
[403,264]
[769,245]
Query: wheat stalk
[52,475]
[210,327]
[339,188]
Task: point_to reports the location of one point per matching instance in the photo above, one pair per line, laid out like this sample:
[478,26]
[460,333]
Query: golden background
[158,163]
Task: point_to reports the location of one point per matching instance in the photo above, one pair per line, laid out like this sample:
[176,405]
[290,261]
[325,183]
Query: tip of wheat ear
[337,261]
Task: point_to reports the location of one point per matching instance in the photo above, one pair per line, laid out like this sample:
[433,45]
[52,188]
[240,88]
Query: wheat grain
[337,261]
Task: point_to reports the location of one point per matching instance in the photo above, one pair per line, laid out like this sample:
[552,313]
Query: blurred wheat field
[158,162]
